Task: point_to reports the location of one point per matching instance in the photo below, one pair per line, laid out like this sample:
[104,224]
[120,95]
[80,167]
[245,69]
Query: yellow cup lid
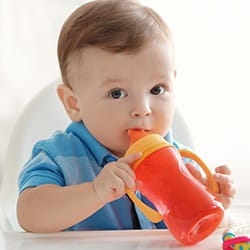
[146,144]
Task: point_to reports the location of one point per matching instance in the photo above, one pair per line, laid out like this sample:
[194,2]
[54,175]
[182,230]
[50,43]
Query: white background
[212,39]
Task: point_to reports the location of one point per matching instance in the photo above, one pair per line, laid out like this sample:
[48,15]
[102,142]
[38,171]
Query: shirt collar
[101,154]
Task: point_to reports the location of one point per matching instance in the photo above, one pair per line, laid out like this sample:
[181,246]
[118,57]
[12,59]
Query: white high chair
[41,117]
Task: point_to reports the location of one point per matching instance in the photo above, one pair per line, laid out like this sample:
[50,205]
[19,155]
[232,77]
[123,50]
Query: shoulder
[52,159]
[67,143]
[172,141]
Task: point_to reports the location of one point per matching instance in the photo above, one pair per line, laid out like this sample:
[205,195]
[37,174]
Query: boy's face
[120,91]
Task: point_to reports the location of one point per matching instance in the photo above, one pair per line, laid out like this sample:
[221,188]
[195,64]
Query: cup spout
[135,135]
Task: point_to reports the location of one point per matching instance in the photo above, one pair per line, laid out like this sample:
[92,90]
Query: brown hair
[113,25]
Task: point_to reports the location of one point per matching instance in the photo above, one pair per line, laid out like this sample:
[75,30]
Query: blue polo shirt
[73,157]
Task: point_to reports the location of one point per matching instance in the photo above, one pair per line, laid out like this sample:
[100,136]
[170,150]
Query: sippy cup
[188,208]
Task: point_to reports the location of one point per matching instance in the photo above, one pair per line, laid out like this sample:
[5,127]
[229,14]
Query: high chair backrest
[41,117]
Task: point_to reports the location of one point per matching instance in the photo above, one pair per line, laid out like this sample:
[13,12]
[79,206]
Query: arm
[51,208]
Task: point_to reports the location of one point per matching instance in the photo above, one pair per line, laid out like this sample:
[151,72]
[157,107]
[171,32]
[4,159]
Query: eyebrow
[113,80]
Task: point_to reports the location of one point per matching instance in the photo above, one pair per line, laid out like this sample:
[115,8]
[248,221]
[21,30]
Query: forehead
[154,56]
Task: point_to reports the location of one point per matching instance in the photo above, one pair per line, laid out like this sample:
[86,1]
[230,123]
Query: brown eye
[157,90]
[117,93]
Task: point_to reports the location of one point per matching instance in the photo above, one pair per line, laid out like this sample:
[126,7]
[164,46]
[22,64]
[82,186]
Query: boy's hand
[226,186]
[224,179]
[114,178]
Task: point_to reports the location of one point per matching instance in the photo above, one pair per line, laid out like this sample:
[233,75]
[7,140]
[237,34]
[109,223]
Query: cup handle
[211,182]
[149,212]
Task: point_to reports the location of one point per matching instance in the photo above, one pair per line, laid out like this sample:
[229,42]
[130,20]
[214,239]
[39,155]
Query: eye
[117,93]
[158,90]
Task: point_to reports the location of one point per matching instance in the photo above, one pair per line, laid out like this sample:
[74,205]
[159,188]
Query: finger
[126,168]
[225,200]
[223,169]
[223,179]
[125,174]
[226,185]
[129,159]
[229,190]
[196,173]
[193,170]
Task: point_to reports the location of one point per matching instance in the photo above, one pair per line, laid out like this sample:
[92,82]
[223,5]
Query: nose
[142,109]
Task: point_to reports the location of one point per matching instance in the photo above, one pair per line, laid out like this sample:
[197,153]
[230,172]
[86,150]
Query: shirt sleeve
[40,169]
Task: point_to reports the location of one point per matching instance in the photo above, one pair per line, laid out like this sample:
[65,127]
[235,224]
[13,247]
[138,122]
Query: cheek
[110,133]
[165,118]
[165,125]
[103,120]
[93,110]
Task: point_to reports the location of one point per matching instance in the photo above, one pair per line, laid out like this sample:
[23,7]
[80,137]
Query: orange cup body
[189,210]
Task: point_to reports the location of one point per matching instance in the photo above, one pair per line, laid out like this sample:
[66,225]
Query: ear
[69,101]
[175,73]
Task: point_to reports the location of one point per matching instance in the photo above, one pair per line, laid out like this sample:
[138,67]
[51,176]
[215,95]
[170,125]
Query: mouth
[140,129]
